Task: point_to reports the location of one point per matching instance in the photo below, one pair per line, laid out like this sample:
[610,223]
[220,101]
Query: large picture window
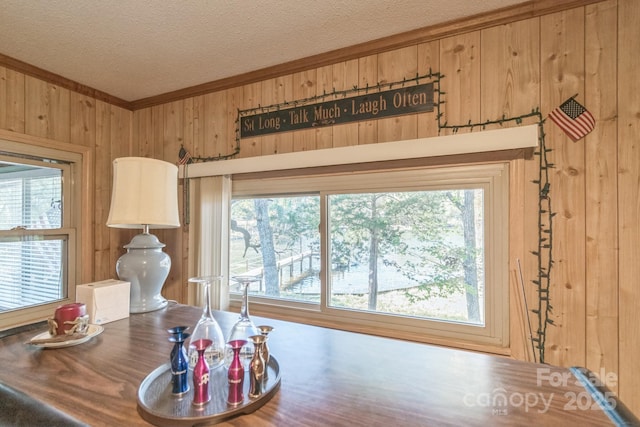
[420,250]
[407,239]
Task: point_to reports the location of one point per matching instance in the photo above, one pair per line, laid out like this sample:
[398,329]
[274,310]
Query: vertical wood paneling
[324,86]
[235,98]
[304,87]
[173,138]
[143,125]
[510,64]
[251,98]
[269,95]
[188,123]
[460,64]
[601,196]
[368,77]
[521,296]
[284,141]
[83,132]
[345,77]
[428,61]
[198,128]
[82,120]
[510,70]
[562,52]
[121,145]
[155,148]
[12,103]
[173,132]
[395,66]
[277,91]
[215,124]
[103,268]
[47,112]
[629,199]
[284,94]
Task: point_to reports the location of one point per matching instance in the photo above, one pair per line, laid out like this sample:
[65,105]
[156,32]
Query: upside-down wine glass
[244,327]
[207,328]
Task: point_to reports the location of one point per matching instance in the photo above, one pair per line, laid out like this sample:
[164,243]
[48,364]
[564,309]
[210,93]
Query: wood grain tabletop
[328,378]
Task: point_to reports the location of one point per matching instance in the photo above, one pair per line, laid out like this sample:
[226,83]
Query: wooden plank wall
[31,106]
[627,127]
[506,70]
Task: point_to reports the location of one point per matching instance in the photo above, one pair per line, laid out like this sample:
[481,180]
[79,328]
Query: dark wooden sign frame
[374,105]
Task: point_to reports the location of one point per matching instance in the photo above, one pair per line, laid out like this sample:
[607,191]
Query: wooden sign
[407,100]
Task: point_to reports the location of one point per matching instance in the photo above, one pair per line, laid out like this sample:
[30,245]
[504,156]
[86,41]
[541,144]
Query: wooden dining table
[327,378]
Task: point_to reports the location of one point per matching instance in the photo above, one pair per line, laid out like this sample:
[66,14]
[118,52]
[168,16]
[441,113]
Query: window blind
[31,258]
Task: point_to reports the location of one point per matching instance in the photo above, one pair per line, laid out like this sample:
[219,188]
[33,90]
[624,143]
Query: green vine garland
[543,252]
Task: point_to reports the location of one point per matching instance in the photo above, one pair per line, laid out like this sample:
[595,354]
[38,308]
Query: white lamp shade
[145,192]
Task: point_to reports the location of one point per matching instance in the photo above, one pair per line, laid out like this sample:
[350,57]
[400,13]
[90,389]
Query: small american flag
[184,156]
[573,119]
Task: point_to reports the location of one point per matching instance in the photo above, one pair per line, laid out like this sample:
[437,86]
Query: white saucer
[92,331]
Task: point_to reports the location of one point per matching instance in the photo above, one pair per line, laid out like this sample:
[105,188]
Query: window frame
[512,144]
[77,219]
[492,177]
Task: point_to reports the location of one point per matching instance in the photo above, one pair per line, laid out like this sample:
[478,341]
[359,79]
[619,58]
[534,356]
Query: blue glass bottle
[179,360]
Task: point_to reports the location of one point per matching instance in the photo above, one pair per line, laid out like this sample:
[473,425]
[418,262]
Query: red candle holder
[201,374]
[236,374]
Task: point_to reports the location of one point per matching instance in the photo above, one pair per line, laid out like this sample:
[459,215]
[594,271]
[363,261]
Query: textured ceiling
[133,49]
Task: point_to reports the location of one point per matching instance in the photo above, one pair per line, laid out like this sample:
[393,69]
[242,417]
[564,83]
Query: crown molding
[502,16]
[525,10]
[57,80]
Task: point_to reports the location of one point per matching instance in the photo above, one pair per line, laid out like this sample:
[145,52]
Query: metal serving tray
[159,406]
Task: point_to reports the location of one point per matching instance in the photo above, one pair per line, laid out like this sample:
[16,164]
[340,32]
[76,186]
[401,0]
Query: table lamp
[144,196]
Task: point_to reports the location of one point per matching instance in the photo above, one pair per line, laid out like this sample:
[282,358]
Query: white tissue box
[106,301]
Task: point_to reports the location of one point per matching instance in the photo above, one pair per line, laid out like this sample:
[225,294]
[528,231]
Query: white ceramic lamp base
[146,267]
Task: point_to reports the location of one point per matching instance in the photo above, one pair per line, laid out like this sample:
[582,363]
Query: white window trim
[478,142]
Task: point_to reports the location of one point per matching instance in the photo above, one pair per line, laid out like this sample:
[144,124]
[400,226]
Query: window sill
[315,318]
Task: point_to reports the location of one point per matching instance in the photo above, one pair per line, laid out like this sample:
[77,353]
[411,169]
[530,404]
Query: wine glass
[244,327]
[207,329]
